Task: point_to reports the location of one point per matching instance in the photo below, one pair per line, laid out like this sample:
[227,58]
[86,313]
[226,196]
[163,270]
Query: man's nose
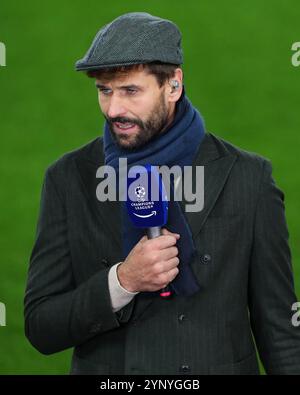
[116,107]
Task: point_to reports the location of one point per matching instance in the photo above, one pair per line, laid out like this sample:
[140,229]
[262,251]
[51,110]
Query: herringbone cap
[133,38]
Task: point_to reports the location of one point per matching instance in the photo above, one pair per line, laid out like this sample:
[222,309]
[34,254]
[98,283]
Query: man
[94,283]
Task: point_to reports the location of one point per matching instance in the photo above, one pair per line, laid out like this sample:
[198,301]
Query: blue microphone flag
[147,202]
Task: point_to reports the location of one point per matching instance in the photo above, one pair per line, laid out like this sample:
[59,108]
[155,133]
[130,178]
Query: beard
[148,130]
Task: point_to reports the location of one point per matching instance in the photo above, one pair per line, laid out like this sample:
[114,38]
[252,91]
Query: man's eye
[128,91]
[131,91]
[104,91]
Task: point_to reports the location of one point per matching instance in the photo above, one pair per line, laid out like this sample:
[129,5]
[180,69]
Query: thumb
[143,239]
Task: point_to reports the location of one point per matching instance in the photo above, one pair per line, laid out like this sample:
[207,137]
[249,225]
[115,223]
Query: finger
[167,232]
[171,274]
[143,239]
[171,264]
[168,253]
[163,241]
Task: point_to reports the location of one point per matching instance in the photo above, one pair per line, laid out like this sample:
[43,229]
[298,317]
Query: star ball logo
[140,193]
[2,54]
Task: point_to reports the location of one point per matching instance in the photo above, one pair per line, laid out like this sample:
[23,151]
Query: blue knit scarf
[176,146]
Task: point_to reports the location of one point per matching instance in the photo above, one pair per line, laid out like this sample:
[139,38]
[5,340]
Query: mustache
[122,120]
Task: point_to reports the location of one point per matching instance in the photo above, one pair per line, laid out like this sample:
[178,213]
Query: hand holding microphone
[153,261]
[151,264]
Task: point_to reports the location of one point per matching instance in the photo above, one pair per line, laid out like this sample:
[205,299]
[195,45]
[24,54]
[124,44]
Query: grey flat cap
[133,38]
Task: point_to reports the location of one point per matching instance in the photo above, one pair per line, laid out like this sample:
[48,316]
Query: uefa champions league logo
[140,193]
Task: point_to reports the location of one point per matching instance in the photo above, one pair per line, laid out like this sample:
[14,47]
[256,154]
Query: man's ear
[175,85]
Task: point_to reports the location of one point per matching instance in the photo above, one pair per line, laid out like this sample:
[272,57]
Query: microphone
[147,205]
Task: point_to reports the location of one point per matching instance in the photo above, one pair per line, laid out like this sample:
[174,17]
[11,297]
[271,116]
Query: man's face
[135,108]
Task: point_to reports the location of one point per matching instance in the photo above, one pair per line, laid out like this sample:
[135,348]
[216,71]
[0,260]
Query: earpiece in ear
[175,85]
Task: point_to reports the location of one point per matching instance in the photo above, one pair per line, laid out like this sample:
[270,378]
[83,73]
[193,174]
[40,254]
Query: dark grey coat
[243,264]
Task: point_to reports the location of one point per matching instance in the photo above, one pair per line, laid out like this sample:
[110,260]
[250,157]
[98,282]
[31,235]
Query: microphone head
[147,202]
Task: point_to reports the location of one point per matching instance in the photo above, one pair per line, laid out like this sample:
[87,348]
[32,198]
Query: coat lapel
[217,162]
[108,212]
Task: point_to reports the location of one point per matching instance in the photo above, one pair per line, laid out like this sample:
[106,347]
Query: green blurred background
[237,72]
